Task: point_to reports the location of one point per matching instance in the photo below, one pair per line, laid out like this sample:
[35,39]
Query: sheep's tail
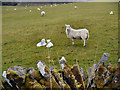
[87,35]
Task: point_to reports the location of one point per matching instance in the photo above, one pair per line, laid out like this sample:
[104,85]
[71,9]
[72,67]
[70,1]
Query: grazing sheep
[80,34]
[75,7]
[111,12]
[38,9]
[42,13]
[30,10]
[15,9]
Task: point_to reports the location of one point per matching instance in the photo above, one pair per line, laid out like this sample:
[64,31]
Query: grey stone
[41,67]
[5,77]
[62,62]
[104,58]
[91,76]
[19,72]
[82,73]
[30,70]
[52,68]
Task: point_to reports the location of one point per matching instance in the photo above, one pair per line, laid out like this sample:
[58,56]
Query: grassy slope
[22,30]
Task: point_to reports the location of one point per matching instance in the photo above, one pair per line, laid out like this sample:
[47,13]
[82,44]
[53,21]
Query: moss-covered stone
[70,77]
[59,79]
[100,76]
[75,70]
[48,80]
[36,75]
[32,83]
[13,75]
[67,78]
[116,77]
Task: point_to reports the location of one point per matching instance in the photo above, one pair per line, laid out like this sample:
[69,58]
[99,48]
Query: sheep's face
[68,27]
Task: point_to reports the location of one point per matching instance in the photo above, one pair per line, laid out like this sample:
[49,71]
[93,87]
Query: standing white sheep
[42,13]
[80,34]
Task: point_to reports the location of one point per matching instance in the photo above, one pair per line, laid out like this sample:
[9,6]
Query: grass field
[22,30]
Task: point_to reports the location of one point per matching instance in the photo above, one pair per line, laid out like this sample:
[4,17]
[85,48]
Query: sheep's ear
[65,24]
[70,25]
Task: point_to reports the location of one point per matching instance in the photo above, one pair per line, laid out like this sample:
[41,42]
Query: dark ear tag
[70,25]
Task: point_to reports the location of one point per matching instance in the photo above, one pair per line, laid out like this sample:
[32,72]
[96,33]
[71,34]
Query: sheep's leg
[72,41]
[84,44]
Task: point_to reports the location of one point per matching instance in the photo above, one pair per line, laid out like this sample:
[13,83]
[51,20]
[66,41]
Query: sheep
[38,9]
[15,9]
[50,44]
[80,34]
[75,7]
[42,43]
[42,13]
[111,13]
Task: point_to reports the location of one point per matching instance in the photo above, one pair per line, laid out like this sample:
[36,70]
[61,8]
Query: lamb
[42,13]
[50,44]
[80,34]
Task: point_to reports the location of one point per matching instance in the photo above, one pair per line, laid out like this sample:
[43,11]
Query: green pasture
[22,30]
